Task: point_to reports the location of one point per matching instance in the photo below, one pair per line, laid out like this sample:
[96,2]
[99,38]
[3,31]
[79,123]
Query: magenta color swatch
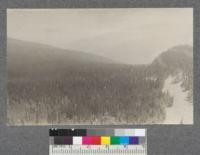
[86,140]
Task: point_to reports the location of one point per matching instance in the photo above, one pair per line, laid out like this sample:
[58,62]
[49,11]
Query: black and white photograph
[119,66]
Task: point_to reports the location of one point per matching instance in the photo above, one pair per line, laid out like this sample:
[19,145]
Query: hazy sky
[133,36]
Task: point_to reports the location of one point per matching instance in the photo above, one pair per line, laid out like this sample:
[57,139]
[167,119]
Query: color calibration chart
[97,142]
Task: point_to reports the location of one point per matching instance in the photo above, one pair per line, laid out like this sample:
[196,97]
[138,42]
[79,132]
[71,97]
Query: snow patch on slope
[181,110]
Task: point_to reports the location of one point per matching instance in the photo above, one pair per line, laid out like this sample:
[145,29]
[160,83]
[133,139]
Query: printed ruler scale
[97,141]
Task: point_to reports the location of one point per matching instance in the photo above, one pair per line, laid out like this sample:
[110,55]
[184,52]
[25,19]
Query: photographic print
[119,66]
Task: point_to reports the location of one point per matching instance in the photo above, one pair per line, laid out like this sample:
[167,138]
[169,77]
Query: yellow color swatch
[105,140]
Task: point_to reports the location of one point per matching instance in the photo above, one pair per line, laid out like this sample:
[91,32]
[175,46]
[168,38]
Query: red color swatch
[96,140]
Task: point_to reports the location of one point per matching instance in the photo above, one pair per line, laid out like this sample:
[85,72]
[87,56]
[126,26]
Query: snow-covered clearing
[182,110]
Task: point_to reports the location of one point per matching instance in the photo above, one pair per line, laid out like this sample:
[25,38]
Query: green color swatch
[115,140]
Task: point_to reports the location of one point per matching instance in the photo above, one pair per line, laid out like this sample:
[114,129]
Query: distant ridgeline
[47,85]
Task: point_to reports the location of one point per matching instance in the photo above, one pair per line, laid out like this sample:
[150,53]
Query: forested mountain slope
[47,85]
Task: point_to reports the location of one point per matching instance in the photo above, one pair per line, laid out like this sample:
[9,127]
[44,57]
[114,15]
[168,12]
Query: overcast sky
[134,36]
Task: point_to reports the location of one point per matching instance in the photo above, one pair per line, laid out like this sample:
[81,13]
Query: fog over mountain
[129,35]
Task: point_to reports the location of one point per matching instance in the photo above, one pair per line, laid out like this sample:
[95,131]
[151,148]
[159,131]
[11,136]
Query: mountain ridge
[38,47]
